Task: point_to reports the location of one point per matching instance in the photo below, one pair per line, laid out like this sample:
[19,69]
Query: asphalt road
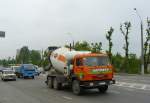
[144,79]
[35,91]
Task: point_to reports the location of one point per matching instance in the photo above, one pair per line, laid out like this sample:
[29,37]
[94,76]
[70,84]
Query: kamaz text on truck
[80,70]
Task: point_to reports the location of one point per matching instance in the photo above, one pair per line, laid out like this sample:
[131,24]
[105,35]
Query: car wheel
[32,77]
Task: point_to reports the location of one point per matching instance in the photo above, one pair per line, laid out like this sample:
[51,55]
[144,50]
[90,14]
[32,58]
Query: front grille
[9,76]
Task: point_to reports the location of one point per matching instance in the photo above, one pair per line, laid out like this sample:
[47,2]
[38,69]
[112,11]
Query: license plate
[10,78]
[102,83]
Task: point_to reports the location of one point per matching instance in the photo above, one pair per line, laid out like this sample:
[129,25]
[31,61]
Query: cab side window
[79,62]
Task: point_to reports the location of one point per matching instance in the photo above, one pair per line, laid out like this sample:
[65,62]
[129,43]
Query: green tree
[4,62]
[82,46]
[46,63]
[35,57]
[24,55]
[96,47]
[146,47]
[134,63]
[117,61]
[125,28]
[109,38]
[125,31]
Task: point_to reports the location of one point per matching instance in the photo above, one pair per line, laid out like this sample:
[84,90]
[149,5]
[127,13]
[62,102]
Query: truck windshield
[96,61]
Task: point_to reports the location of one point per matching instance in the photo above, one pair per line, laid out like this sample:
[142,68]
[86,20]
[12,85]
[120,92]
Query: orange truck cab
[93,70]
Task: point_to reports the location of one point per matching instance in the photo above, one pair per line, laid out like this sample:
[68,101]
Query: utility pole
[71,36]
[2,34]
[142,52]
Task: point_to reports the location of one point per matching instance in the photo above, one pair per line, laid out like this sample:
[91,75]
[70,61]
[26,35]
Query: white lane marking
[129,89]
[143,87]
[119,83]
[133,85]
[113,91]
[68,98]
[147,88]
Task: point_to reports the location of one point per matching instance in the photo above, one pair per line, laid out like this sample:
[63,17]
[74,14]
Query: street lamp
[142,52]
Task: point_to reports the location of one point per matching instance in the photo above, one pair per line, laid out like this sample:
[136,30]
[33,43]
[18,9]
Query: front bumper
[9,78]
[29,75]
[94,84]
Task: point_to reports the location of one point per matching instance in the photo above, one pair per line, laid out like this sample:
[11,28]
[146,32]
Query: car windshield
[93,61]
[16,67]
[30,67]
[8,72]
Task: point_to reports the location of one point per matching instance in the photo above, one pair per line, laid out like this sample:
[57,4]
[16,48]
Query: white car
[8,75]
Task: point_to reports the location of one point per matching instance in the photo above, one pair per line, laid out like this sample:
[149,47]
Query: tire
[32,77]
[14,79]
[77,90]
[103,89]
[18,75]
[56,85]
[50,82]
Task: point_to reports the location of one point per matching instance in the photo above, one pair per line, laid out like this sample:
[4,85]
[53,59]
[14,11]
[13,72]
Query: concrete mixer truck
[79,70]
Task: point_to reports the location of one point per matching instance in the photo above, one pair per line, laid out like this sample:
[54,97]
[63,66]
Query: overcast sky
[42,23]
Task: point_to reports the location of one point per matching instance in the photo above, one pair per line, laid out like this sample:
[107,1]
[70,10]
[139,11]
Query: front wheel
[76,87]
[103,89]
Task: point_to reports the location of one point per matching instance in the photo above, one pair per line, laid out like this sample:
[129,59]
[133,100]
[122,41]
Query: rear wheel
[50,82]
[18,75]
[103,89]
[76,87]
[56,84]
[4,79]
